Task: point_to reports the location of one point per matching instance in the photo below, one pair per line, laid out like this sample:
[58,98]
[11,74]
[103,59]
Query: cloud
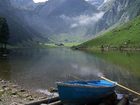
[93,1]
[37,1]
[105,1]
[83,20]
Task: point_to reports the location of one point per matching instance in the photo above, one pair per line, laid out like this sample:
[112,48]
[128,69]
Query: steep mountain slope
[125,36]
[20,32]
[67,7]
[24,4]
[117,12]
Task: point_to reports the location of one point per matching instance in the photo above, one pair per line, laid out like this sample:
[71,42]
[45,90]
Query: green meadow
[126,35]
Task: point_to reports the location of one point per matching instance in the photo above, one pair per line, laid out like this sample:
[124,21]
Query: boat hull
[80,95]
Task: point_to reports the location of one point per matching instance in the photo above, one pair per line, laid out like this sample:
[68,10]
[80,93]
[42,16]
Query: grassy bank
[126,36]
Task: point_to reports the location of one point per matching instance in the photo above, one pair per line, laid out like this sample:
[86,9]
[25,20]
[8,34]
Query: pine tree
[4,32]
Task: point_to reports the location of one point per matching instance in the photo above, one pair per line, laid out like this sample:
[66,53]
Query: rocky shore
[11,94]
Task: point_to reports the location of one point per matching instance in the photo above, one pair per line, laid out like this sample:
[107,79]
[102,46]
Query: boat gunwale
[83,86]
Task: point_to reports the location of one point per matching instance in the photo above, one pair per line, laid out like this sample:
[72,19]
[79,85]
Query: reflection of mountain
[41,68]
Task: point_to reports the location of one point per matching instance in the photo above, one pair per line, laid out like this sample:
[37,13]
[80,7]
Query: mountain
[118,12]
[20,32]
[122,37]
[65,20]
[68,18]
[24,4]
[54,20]
[66,7]
[87,17]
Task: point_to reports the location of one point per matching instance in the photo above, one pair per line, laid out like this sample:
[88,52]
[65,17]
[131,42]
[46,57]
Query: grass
[71,44]
[68,38]
[126,35]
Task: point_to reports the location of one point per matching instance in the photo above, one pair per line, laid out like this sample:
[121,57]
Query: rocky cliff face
[119,11]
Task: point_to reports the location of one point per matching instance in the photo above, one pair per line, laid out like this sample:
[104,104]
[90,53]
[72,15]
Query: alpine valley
[65,21]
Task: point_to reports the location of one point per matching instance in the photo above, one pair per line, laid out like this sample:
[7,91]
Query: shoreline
[12,94]
[104,49]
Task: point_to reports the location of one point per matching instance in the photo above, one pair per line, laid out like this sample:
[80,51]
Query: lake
[40,69]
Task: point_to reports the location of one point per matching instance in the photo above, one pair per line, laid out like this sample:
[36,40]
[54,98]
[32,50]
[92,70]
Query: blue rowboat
[84,92]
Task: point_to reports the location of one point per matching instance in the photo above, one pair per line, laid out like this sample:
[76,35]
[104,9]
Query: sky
[36,1]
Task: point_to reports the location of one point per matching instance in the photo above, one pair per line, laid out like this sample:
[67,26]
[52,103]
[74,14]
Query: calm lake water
[41,68]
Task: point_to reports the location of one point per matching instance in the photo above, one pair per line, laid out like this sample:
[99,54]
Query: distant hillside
[124,36]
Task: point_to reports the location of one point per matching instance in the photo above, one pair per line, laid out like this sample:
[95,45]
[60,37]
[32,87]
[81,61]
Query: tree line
[4,33]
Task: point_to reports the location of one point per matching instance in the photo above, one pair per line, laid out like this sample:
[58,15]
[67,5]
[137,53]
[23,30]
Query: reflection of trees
[5,68]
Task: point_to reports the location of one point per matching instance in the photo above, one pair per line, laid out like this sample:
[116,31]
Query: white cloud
[74,25]
[97,0]
[83,20]
[106,1]
[37,1]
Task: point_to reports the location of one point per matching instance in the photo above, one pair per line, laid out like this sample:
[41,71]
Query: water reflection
[41,68]
[5,68]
